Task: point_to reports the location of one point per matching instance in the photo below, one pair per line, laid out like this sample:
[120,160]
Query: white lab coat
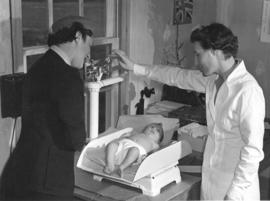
[235,124]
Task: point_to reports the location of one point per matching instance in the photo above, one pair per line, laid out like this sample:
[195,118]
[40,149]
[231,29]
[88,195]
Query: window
[62,8]
[37,16]
[35,22]
[96,11]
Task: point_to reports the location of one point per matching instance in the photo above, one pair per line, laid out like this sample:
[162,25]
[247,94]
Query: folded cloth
[194,130]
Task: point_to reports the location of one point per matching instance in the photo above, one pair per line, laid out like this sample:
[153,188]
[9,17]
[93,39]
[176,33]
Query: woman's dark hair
[68,34]
[216,36]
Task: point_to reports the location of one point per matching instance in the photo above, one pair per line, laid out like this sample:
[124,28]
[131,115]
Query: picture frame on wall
[182,12]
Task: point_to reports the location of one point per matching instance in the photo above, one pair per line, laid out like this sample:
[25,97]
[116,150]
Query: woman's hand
[124,61]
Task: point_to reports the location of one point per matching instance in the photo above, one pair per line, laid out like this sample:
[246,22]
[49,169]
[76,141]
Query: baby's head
[155,131]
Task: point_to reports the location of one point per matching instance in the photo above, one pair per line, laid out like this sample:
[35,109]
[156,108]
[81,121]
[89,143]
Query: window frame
[110,37]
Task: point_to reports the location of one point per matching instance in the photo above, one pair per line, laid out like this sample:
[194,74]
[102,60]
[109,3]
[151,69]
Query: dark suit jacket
[53,129]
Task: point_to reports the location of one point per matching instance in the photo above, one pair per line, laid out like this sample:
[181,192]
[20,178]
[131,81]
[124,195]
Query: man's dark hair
[216,36]
[68,34]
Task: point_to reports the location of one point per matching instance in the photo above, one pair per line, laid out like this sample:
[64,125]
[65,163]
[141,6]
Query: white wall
[244,18]
[151,30]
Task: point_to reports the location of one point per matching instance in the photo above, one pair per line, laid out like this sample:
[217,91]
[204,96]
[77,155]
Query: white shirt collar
[239,70]
[61,53]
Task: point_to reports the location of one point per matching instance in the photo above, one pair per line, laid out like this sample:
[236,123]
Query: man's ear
[78,35]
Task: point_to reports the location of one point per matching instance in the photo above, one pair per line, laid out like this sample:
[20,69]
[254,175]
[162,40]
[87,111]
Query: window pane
[34,22]
[62,8]
[95,10]
[30,60]
[100,51]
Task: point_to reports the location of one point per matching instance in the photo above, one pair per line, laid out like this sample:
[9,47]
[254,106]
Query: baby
[130,148]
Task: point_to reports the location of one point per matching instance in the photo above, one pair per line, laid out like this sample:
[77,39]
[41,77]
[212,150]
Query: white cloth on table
[194,130]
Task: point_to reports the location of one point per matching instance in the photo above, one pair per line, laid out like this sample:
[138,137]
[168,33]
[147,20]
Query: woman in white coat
[235,109]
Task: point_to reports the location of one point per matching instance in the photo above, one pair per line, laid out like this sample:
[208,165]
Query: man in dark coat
[42,164]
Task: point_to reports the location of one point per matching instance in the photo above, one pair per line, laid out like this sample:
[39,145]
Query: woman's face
[205,60]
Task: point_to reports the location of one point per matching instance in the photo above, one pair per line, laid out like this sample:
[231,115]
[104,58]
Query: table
[88,189]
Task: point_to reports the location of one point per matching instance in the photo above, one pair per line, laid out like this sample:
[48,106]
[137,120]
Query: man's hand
[124,61]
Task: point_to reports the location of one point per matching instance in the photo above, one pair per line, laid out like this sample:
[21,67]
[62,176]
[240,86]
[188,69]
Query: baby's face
[154,131]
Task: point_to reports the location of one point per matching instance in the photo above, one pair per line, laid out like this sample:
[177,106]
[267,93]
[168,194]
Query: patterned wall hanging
[182,12]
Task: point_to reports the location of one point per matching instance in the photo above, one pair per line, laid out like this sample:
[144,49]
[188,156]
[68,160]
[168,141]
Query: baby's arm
[154,148]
